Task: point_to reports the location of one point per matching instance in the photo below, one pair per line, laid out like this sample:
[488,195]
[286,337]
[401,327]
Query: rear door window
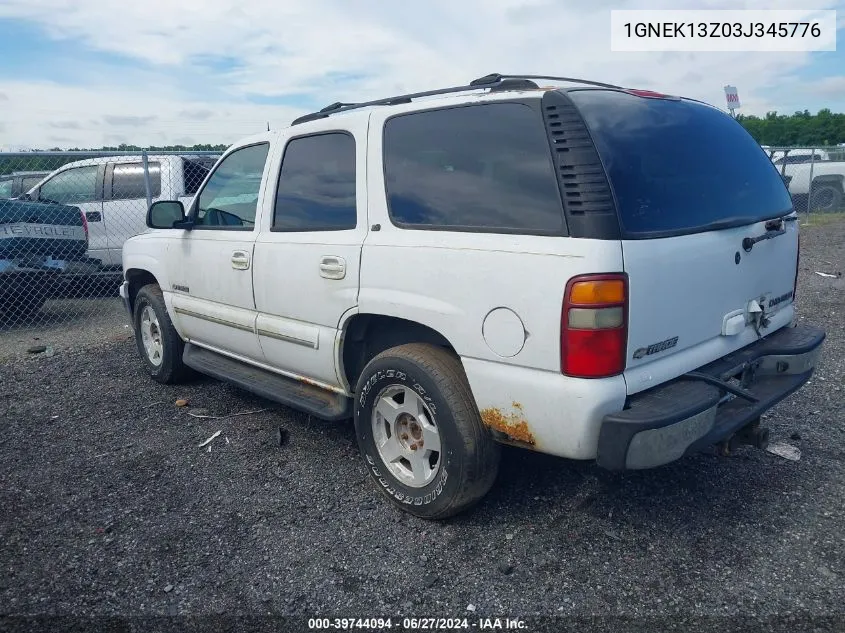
[678,166]
[316,190]
[128,181]
[479,168]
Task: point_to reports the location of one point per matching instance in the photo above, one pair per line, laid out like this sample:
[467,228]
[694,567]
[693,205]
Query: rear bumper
[49,265]
[697,410]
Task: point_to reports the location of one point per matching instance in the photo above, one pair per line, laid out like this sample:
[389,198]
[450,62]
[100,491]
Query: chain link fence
[814,176]
[64,217]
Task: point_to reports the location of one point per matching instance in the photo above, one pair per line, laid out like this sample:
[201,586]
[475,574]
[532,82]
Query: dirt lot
[110,508]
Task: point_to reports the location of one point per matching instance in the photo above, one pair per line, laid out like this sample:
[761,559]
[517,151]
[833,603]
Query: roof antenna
[268,126]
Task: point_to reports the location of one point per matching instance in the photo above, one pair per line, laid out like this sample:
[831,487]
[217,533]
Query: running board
[319,402]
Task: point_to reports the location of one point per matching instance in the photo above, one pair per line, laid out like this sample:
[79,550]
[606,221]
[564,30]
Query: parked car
[587,271]
[112,194]
[828,181]
[17,183]
[828,177]
[42,247]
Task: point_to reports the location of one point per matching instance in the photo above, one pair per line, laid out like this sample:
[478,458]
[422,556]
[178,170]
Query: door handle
[332,267]
[93,216]
[240,260]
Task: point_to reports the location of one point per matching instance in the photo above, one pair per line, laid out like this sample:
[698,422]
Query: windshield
[679,166]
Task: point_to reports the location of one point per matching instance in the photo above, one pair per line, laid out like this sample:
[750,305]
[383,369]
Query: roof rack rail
[492,82]
[336,106]
[340,107]
[495,78]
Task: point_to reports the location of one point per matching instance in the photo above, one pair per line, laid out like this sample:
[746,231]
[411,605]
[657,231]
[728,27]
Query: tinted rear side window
[316,189]
[677,166]
[482,167]
[128,181]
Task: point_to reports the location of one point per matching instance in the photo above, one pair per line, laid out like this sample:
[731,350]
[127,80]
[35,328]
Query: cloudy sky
[92,72]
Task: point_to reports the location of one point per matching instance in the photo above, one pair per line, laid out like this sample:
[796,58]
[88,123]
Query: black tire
[171,370]
[469,457]
[827,198]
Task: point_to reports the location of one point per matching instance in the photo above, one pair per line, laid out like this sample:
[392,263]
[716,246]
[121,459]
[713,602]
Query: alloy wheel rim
[406,437]
[151,336]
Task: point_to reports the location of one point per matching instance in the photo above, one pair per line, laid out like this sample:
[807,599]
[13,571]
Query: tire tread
[176,371]
[445,370]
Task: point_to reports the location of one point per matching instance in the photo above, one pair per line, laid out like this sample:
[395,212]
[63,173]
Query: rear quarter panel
[497,298]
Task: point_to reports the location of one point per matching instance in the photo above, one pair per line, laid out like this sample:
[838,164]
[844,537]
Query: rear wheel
[159,345]
[827,197]
[420,432]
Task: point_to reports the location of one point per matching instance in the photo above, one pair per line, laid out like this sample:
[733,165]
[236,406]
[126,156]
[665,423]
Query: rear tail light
[651,94]
[84,224]
[646,93]
[594,326]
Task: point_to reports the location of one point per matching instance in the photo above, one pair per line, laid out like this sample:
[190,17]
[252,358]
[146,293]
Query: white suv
[587,271]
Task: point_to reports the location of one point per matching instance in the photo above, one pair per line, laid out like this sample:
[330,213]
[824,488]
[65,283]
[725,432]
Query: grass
[821,219]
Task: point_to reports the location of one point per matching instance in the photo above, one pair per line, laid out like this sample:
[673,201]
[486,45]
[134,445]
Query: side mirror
[165,214]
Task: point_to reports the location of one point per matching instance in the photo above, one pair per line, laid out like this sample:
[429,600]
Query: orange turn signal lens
[597,292]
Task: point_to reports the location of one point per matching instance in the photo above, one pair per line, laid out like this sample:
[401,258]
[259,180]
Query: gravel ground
[109,508]
[66,325]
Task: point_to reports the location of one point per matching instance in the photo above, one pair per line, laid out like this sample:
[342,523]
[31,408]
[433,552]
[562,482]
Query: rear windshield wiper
[742,220]
[773,229]
[729,223]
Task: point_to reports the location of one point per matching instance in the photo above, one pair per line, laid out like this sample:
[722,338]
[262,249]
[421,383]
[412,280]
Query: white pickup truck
[827,176]
[112,194]
[585,270]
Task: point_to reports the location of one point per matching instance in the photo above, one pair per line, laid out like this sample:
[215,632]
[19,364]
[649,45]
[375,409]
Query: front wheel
[420,433]
[159,345]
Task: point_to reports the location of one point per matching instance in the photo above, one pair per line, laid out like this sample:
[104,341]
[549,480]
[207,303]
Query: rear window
[678,166]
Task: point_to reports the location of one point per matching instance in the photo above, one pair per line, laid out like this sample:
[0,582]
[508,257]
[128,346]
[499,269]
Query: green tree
[801,128]
[33,161]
